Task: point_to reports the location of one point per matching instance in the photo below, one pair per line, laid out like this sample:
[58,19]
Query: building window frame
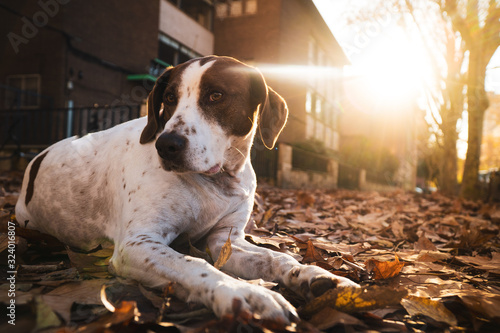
[236,8]
[18,95]
[181,52]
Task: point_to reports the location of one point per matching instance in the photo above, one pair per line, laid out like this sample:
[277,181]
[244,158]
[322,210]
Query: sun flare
[395,71]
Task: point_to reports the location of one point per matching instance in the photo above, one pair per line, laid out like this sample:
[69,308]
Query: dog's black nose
[170,145]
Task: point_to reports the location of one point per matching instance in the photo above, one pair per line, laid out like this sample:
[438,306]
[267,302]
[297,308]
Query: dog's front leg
[148,259]
[251,262]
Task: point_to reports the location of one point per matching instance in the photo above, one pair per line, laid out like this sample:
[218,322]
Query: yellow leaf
[351,299]
[225,253]
[427,307]
[103,253]
[103,262]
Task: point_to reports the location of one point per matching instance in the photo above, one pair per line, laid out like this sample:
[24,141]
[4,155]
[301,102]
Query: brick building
[95,52]
[70,67]
[62,52]
[291,44]
[89,59]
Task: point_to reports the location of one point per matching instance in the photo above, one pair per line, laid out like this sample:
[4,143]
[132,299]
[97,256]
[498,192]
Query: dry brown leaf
[197,253]
[433,256]
[45,316]
[384,269]
[424,243]
[268,242]
[225,253]
[488,305]
[83,292]
[485,263]
[329,317]
[430,308]
[305,199]
[312,255]
[398,229]
[352,299]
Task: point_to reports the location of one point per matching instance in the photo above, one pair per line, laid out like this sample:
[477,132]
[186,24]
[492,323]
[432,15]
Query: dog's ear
[272,118]
[155,100]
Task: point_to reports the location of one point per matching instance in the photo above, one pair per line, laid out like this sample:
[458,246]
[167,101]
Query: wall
[97,40]
[179,26]
[288,177]
[252,38]
[40,52]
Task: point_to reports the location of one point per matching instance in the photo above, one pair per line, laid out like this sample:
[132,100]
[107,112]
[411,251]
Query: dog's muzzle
[171,148]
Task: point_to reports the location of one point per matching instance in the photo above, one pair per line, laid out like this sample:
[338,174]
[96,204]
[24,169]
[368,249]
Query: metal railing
[38,128]
[309,161]
[264,162]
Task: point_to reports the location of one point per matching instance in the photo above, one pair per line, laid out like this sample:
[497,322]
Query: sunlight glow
[396,69]
[298,71]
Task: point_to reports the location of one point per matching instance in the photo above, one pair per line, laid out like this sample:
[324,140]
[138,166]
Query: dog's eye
[214,97]
[171,99]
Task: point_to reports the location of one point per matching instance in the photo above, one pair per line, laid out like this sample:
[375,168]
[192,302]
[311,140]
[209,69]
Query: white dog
[184,169]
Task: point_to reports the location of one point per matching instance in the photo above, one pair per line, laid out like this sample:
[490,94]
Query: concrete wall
[288,177]
[179,26]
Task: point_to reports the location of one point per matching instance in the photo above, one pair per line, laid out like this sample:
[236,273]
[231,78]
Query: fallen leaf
[433,256]
[424,243]
[312,255]
[45,316]
[329,317]
[268,215]
[305,199]
[91,264]
[383,269]
[430,308]
[398,229]
[81,292]
[351,299]
[487,305]
[225,253]
[124,312]
[197,253]
[485,263]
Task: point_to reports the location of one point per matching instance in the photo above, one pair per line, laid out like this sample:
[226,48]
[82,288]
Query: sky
[382,54]
[358,45]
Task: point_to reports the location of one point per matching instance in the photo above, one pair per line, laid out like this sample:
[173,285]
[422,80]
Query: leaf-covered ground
[425,263]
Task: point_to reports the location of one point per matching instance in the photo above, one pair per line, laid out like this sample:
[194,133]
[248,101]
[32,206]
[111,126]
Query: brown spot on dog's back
[35,167]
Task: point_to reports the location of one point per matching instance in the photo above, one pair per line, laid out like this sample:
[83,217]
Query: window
[319,108]
[156,67]
[172,52]
[309,127]
[200,11]
[328,138]
[221,10]
[320,131]
[309,101]
[251,7]
[23,91]
[311,55]
[236,8]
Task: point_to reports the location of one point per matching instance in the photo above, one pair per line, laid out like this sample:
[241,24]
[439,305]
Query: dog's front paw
[313,281]
[253,299]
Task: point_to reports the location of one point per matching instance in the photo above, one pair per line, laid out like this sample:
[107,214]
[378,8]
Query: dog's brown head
[204,114]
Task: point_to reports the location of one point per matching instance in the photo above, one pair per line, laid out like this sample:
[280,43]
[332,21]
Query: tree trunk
[450,113]
[448,173]
[477,101]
